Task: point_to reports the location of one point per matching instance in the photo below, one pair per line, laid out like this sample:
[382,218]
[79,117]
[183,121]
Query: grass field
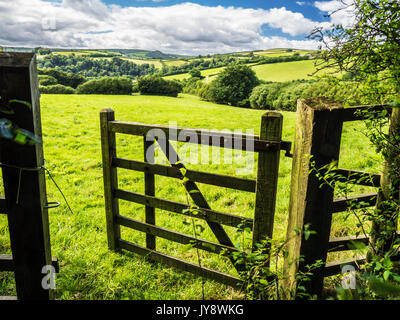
[72,151]
[277,72]
[176,63]
[81,53]
[154,62]
[285,71]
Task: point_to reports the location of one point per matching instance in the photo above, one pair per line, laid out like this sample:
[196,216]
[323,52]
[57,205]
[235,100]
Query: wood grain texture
[230,140]
[317,144]
[108,147]
[267,179]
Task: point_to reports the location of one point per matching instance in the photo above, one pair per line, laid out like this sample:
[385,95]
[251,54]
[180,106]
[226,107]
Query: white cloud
[186,28]
[341,12]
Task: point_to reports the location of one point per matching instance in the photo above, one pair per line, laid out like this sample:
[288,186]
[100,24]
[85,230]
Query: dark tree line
[96,68]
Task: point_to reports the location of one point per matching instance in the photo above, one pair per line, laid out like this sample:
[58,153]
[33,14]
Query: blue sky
[185,27]
[305,7]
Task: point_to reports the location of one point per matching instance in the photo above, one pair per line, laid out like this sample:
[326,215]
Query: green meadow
[294,70]
[72,151]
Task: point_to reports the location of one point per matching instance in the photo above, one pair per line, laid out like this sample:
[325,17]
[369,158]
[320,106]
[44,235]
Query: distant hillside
[130,53]
[145,54]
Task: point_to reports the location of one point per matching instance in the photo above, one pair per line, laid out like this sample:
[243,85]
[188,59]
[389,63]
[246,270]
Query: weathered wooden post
[109,151]
[390,185]
[149,186]
[317,144]
[267,178]
[24,179]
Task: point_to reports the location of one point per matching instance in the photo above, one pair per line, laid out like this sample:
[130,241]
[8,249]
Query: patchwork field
[73,154]
[285,71]
[277,72]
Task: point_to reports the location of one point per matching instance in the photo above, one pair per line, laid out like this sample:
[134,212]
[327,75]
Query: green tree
[369,48]
[64,78]
[47,80]
[195,73]
[233,86]
[106,85]
[155,85]
[57,89]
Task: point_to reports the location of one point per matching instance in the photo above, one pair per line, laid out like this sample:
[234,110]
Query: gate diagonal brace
[197,197]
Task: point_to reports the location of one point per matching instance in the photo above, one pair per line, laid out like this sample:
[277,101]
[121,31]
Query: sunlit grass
[72,150]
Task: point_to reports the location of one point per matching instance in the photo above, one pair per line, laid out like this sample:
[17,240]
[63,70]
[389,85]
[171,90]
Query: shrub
[284,96]
[192,85]
[344,92]
[155,85]
[264,96]
[47,80]
[233,86]
[135,88]
[289,94]
[65,78]
[195,73]
[204,92]
[106,85]
[57,89]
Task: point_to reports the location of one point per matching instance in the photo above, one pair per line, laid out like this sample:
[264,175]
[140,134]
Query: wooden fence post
[25,190]
[389,190]
[267,178]
[149,187]
[109,151]
[317,141]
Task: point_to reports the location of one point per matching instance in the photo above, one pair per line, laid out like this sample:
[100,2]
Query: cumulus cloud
[186,28]
[340,12]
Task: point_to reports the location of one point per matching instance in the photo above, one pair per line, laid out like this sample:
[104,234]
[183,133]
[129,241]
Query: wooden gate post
[317,140]
[389,190]
[267,178]
[109,151]
[150,190]
[25,190]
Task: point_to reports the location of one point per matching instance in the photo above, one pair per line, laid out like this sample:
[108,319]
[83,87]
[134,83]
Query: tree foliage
[45,80]
[64,78]
[233,86]
[86,66]
[369,48]
[195,73]
[106,85]
[284,95]
[155,85]
[56,89]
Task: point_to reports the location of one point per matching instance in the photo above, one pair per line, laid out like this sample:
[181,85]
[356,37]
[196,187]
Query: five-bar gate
[268,145]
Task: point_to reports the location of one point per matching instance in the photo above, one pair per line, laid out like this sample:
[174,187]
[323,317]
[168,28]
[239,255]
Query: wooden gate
[268,145]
